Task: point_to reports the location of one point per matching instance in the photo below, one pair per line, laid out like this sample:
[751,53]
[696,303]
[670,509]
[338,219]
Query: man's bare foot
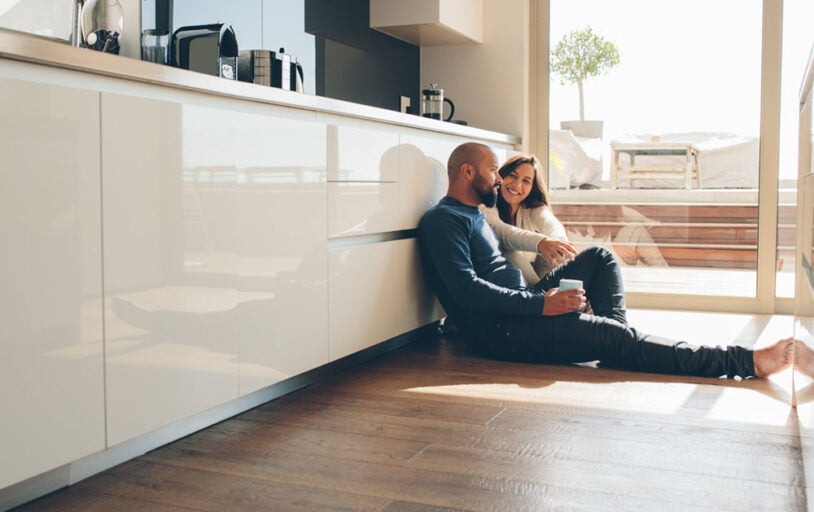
[774,358]
[803,358]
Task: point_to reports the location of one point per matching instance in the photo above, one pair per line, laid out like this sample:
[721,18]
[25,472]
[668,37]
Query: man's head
[473,176]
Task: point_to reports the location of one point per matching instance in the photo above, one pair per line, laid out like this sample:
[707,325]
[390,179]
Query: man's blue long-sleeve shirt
[464,266]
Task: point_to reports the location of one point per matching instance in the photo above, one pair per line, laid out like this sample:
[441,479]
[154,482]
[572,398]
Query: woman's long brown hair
[538,196]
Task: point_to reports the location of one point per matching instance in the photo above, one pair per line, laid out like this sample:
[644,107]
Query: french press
[432,103]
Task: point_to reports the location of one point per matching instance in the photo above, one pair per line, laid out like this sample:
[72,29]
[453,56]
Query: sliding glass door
[655,140]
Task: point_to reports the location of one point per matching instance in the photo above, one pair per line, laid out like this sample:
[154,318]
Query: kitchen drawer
[376,292]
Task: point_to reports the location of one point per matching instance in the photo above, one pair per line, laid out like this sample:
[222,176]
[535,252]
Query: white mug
[570,284]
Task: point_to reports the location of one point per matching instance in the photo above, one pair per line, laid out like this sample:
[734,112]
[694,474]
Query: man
[503,318]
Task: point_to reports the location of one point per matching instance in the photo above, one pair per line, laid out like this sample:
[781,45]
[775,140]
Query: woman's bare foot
[774,358]
[803,358]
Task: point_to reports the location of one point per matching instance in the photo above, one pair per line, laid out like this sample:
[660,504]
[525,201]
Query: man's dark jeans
[603,336]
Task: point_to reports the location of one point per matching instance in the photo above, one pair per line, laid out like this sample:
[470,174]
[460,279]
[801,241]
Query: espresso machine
[210,49]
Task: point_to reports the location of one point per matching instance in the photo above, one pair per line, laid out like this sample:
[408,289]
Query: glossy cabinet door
[363,178]
[422,173]
[282,232]
[423,170]
[51,363]
[804,273]
[376,293]
[170,196]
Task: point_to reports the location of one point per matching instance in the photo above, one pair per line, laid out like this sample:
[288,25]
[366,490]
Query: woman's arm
[512,238]
[542,220]
[555,247]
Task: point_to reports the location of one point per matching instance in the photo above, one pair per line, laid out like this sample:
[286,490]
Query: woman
[531,237]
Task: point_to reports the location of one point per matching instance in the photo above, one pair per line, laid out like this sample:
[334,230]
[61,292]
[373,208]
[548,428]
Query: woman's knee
[596,253]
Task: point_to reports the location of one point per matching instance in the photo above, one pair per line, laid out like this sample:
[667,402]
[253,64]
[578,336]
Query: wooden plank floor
[429,427]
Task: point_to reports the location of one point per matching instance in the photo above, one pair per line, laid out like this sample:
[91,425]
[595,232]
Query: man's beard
[487,194]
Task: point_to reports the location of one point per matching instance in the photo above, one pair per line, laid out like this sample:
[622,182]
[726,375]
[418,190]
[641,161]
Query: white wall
[486,81]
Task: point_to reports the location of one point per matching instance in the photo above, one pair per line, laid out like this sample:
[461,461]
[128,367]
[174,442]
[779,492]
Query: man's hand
[557,252]
[560,302]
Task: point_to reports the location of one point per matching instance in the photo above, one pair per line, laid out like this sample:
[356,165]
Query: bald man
[504,318]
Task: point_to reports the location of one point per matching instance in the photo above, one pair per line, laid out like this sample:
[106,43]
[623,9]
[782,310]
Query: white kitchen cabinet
[376,292]
[422,174]
[363,208]
[423,171]
[170,193]
[51,363]
[282,231]
[363,178]
[216,256]
[361,151]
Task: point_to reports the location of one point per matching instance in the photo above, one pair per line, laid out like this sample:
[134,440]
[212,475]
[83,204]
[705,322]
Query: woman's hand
[557,252]
[560,302]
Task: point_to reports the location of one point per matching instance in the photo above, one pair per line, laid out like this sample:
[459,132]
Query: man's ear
[468,171]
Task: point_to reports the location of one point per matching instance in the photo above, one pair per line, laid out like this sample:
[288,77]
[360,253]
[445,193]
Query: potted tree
[579,55]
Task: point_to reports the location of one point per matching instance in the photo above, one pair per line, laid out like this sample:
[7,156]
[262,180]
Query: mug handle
[451,109]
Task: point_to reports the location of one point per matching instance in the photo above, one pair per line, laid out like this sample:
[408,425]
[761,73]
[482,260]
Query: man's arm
[446,242]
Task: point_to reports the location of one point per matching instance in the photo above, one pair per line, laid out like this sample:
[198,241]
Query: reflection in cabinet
[282,228]
[216,270]
[51,388]
[376,292]
[423,178]
[169,201]
[362,152]
[362,208]
[387,182]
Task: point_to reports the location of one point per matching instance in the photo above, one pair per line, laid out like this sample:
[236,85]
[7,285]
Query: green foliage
[582,54]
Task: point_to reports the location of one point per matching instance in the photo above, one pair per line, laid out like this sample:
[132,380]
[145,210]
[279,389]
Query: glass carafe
[432,102]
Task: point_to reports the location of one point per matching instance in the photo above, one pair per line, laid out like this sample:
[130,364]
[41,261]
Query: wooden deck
[685,235]
[431,428]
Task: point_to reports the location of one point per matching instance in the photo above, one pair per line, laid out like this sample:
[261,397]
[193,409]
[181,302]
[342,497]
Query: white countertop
[26,48]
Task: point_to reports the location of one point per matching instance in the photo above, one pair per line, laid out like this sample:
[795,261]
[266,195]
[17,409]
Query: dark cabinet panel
[341,56]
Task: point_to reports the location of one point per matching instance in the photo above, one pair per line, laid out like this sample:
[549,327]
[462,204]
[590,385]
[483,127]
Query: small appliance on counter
[286,72]
[210,49]
[254,66]
[98,25]
[276,69]
[432,103]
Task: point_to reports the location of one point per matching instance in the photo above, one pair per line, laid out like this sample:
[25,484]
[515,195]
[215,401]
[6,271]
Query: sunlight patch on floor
[648,397]
[743,405]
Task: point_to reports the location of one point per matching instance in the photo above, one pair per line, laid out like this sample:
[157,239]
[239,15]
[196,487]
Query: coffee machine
[210,49]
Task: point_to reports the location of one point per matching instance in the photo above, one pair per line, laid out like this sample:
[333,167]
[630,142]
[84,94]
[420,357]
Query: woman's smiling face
[517,185]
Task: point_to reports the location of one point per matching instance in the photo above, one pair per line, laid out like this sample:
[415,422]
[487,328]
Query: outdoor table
[634,149]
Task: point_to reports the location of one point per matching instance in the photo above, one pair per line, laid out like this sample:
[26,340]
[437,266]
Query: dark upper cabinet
[341,56]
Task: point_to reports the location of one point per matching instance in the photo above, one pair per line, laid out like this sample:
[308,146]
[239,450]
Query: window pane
[680,120]
[797,41]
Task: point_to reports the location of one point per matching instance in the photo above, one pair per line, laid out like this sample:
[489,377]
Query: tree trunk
[581,102]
